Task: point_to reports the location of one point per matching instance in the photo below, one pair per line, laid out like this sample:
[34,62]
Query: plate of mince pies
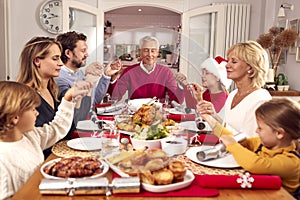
[157,172]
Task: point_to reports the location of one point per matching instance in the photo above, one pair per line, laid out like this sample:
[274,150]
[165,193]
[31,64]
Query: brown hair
[255,56]
[37,47]
[15,99]
[68,41]
[281,113]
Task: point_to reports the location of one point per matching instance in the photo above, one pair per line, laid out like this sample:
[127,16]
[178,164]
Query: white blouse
[242,118]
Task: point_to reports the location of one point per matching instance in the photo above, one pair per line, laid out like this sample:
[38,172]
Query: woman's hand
[206,110]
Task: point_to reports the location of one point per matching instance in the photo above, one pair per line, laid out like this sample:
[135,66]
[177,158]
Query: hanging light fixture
[281,11]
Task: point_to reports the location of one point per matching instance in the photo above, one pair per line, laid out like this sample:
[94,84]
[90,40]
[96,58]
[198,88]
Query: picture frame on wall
[294,25]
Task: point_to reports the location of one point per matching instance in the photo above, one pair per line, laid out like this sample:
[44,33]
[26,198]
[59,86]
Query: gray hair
[149,39]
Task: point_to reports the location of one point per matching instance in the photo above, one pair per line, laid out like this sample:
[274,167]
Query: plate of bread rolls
[157,171]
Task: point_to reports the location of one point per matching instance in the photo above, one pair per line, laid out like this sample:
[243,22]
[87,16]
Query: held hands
[113,67]
[95,69]
[181,78]
[78,91]
[93,72]
[196,90]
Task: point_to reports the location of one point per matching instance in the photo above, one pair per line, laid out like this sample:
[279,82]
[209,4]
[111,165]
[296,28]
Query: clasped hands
[95,70]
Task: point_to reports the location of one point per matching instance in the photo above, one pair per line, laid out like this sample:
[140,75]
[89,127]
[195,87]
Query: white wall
[291,68]
[24,17]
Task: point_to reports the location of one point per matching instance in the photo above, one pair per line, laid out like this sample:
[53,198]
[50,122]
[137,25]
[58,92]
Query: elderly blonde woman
[247,66]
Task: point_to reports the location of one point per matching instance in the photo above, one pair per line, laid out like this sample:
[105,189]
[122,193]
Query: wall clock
[51,16]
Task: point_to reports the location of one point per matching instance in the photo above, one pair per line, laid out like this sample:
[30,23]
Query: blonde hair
[37,47]
[281,113]
[255,56]
[15,99]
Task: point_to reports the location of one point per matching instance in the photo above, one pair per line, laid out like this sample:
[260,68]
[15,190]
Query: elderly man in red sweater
[148,79]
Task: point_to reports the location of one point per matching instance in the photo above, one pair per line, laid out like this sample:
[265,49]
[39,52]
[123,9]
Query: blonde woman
[247,66]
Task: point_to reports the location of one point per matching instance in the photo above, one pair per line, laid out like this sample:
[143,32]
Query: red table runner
[193,190]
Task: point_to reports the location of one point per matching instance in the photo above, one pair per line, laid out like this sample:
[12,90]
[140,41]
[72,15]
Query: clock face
[51,16]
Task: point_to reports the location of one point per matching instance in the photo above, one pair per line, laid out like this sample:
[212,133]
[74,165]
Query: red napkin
[106,117]
[193,190]
[102,105]
[181,117]
[247,180]
[204,138]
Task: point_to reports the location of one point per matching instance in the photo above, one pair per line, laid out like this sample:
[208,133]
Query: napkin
[193,190]
[111,108]
[106,117]
[101,105]
[182,117]
[204,138]
[246,180]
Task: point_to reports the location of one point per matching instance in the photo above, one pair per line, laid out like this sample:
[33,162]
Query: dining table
[30,190]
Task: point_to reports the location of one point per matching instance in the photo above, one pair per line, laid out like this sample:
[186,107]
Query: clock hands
[52,16]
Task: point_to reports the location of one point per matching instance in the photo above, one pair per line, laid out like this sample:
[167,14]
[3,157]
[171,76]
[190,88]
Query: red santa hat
[217,67]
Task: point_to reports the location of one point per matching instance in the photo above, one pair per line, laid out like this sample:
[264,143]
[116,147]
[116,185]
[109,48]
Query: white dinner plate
[188,179]
[104,171]
[227,161]
[86,125]
[85,143]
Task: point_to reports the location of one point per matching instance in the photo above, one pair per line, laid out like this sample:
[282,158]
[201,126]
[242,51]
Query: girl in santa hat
[214,82]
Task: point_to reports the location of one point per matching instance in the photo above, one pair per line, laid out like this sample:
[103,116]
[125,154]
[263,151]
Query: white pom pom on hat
[217,67]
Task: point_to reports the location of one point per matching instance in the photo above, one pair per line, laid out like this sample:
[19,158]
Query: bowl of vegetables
[149,136]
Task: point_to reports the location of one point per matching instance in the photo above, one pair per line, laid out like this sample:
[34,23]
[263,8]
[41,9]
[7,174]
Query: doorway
[125,26]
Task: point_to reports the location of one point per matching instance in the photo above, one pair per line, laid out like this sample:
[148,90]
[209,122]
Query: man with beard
[74,56]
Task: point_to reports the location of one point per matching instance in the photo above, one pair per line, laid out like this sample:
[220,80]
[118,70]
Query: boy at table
[274,151]
[148,78]
[22,144]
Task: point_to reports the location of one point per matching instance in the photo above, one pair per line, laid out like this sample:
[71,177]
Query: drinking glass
[110,142]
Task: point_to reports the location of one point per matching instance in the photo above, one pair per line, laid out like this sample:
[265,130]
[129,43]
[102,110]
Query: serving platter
[85,143]
[188,179]
[104,171]
[227,161]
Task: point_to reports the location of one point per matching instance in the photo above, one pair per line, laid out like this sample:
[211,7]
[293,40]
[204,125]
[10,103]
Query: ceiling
[146,10]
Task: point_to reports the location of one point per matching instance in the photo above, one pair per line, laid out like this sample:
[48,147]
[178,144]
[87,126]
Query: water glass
[110,142]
